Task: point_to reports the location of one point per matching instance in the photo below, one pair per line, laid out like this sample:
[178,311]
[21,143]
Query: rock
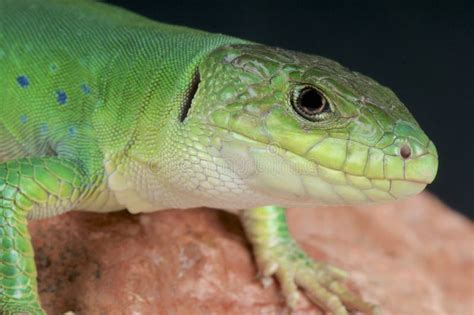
[412,257]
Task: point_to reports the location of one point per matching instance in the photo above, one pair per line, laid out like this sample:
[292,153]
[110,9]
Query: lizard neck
[138,118]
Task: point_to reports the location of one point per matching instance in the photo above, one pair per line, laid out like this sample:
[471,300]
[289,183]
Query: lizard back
[72,72]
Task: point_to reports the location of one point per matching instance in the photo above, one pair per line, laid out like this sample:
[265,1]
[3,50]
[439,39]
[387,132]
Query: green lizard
[101,110]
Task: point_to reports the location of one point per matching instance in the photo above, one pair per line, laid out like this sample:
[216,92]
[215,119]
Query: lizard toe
[320,282]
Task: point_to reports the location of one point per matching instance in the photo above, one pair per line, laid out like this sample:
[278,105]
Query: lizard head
[301,129]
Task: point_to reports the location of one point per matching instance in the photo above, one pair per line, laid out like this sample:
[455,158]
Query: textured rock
[412,257]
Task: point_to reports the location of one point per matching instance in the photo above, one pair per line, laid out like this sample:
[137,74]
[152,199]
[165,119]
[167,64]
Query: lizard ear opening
[190,92]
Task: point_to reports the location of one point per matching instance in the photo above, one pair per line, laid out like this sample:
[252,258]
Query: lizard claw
[320,282]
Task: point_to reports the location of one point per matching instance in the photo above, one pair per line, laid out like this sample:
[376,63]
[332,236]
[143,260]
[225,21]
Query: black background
[423,51]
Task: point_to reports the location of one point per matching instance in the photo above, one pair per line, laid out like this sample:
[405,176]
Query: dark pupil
[311,102]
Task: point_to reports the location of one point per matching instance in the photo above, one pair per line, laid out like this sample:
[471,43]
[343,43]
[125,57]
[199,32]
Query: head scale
[298,130]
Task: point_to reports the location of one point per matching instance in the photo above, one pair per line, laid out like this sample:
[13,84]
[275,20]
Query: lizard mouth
[276,169]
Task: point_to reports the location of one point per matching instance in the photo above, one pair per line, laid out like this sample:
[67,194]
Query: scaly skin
[278,254]
[101,110]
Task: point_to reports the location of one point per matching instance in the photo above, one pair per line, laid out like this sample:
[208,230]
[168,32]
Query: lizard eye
[310,103]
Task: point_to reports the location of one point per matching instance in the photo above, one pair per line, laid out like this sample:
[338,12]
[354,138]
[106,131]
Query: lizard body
[101,110]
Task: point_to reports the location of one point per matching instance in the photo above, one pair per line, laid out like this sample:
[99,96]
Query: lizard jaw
[284,174]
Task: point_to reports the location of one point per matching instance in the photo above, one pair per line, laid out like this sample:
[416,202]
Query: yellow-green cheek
[330,152]
[374,168]
[356,160]
[393,167]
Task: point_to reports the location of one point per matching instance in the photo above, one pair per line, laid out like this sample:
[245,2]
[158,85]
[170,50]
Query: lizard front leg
[277,254]
[28,185]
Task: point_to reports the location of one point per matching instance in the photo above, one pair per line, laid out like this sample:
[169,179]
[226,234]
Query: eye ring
[310,104]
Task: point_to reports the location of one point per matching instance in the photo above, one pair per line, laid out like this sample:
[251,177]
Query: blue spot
[24,119]
[61,97]
[86,89]
[72,131]
[23,81]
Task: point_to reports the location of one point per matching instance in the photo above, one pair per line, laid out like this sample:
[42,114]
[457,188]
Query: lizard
[102,109]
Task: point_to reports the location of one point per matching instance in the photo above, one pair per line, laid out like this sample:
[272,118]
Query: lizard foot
[277,254]
[321,283]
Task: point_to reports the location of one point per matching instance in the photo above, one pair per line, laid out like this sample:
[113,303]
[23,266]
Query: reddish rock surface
[414,257]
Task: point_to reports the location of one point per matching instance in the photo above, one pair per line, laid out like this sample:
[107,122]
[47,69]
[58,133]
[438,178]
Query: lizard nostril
[405,151]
